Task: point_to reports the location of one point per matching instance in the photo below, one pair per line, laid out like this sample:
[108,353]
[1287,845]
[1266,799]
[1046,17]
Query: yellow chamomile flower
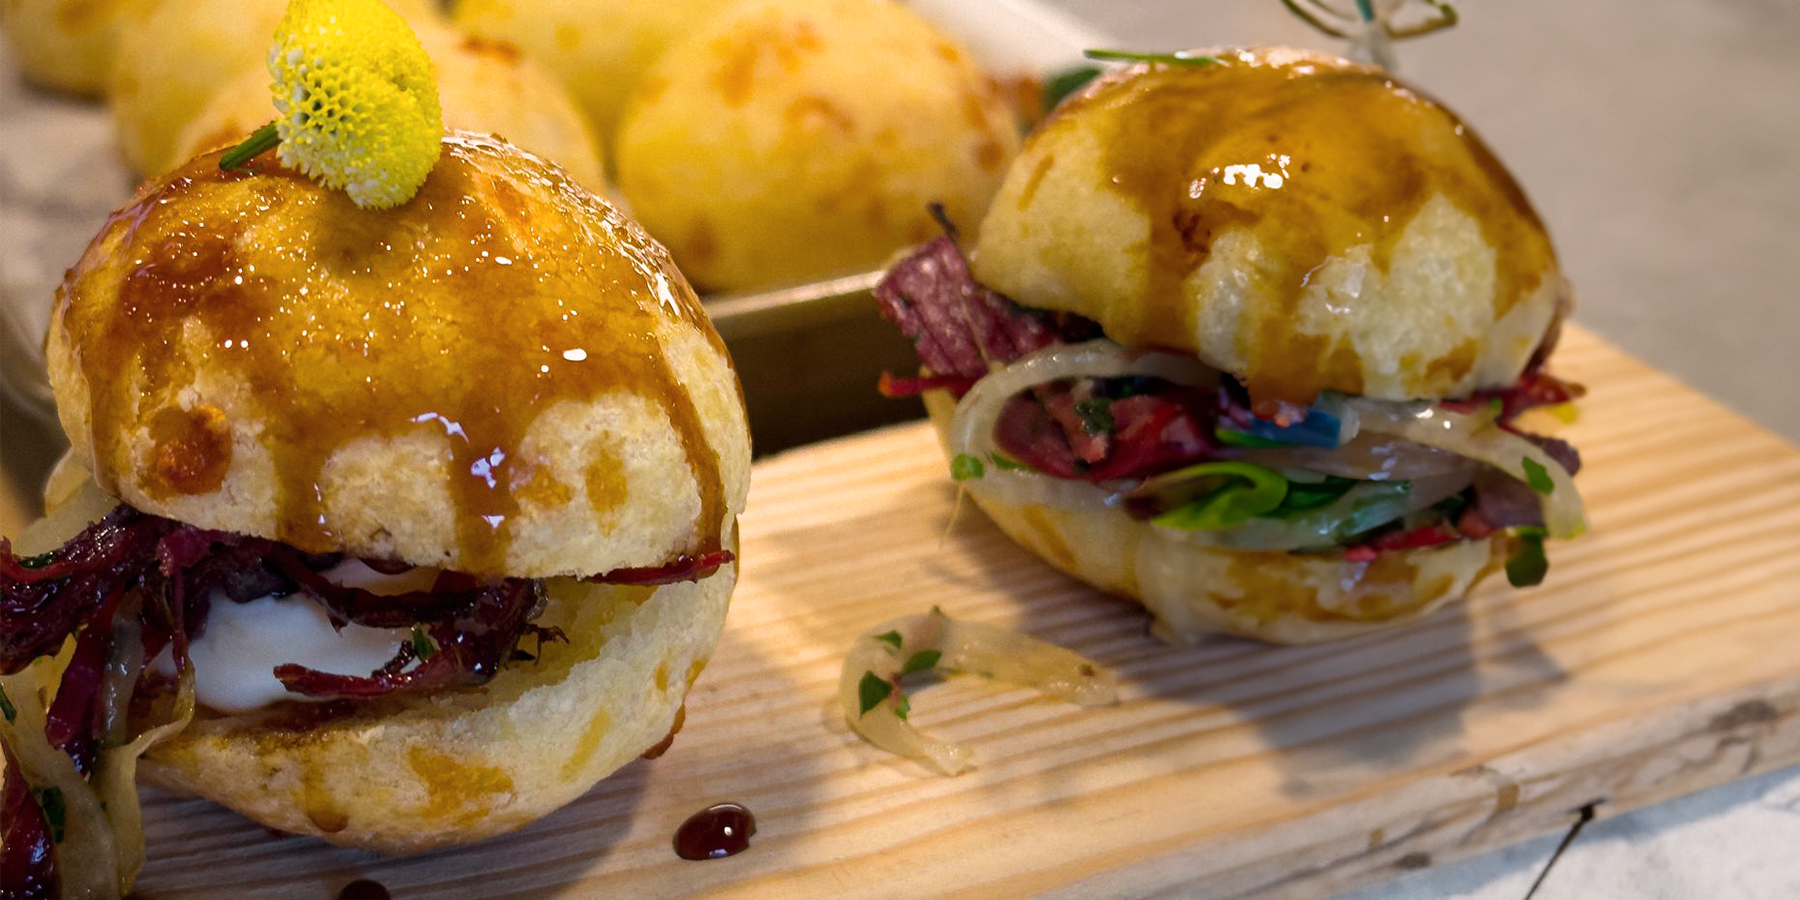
[357,98]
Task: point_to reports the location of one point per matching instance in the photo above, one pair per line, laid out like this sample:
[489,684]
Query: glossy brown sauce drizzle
[466,311]
[718,831]
[1343,156]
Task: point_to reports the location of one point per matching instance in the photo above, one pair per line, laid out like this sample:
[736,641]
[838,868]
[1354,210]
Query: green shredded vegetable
[1096,415]
[891,637]
[56,813]
[965,467]
[1247,492]
[1060,85]
[1178,58]
[11,712]
[423,646]
[1304,496]
[1537,476]
[1006,463]
[920,661]
[1231,437]
[1528,564]
[872,690]
[39,561]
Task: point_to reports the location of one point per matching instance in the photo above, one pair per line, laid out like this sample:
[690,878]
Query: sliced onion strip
[115,779]
[87,858]
[972,429]
[962,647]
[1564,515]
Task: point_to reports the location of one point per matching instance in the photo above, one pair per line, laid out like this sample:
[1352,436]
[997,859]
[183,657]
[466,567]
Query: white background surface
[1660,142]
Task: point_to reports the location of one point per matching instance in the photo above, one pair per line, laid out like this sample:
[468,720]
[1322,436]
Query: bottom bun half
[1195,591]
[408,773]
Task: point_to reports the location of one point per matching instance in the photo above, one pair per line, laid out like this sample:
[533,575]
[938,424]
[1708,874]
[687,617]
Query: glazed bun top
[1301,221]
[501,376]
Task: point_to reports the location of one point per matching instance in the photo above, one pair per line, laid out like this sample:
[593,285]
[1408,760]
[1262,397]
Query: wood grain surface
[1661,656]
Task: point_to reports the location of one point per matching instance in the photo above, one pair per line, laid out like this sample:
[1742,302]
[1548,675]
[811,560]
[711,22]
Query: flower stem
[259,142]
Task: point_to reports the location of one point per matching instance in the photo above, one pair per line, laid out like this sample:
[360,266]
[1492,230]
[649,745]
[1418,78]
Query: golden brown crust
[409,773]
[172,57]
[758,150]
[484,85]
[1298,220]
[598,50]
[1195,591]
[62,44]
[501,376]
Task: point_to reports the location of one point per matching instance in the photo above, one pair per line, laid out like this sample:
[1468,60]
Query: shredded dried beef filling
[1128,428]
[1095,429]
[27,853]
[958,326]
[166,573]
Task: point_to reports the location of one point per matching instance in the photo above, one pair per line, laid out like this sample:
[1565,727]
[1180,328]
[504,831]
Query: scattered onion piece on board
[877,709]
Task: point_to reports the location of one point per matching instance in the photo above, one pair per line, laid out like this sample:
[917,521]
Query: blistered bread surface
[483,85]
[501,376]
[788,140]
[69,45]
[1299,220]
[172,57]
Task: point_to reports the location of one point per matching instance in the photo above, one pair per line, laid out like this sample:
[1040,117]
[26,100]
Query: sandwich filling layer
[1050,411]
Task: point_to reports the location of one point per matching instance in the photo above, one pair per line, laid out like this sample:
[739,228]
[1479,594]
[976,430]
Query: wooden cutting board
[1662,656]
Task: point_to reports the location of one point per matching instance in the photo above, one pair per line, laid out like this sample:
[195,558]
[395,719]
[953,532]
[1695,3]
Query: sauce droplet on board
[363,889]
[715,832]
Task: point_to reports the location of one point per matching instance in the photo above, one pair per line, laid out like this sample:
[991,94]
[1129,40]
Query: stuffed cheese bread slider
[1245,340]
[430,510]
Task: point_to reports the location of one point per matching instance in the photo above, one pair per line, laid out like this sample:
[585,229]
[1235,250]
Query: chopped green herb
[1006,463]
[423,646]
[1496,406]
[1452,507]
[6,706]
[55,813]
[1537,476]
[1178,58]
[1250,491]
[902,707]
[872,690]
[1231,437]
[1302,496]
[259,142]
[39,561]
[1066,82]
[892,637]
[920,661]
[965,467]
[1527,565]
[1096,415]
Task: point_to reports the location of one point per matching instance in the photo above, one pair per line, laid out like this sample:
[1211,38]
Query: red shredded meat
[1422,536]
[961,329]
[684,568]
[474,625]
[467,649]
[1535,388]
[958,326]
[27,854]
